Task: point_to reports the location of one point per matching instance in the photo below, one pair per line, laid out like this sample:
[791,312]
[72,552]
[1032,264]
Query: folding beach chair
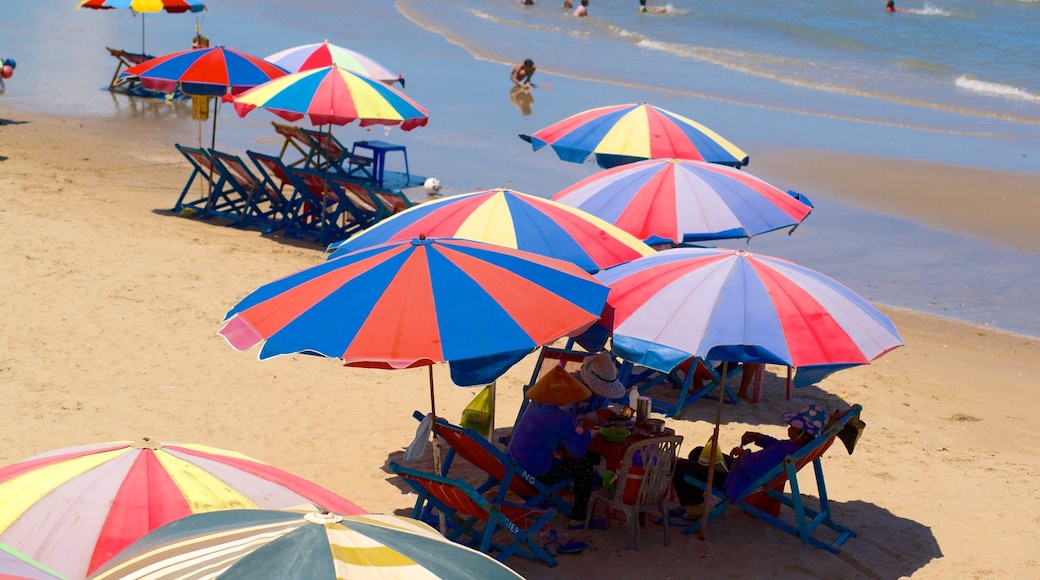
[132,85]
[392,201]
[770,487]
[297,140]
[214,195]
[327,150]
[367,209]
[681,379]
[261,203]
[503,472]
[474,520]
[324,211]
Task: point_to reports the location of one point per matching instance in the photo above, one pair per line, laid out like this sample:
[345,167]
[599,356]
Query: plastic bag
[477,414]
[417,448]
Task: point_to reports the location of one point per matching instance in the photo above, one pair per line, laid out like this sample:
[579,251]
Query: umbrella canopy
[511,219]
[478,306]
[144,6]
[679,200]
[286,545]
[17,566]
[174,6]
[322,54]
[735,306]
[208,71]
[73,509]
[333,95]
[622,134]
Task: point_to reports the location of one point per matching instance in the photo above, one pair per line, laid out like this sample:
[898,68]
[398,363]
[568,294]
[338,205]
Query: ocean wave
[928,10]
[996,89]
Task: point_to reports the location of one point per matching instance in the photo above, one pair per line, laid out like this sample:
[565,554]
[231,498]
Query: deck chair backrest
[483,455]
[326,143]
[199,158]
[273,167]
[295,138]
[359,196]
[392,201]
[234,166]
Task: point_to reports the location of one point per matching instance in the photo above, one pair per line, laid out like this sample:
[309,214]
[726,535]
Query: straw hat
[811,420]
[600,373]
[558,387]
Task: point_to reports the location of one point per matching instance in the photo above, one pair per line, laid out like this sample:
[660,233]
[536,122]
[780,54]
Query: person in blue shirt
[599,373]
[738,470]
[550,441]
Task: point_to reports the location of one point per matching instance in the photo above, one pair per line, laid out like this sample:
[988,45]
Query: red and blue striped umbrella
[209,71]
[621,134]
[478,306]
[333,95]
[511,219]
[735,306]
[72,509]
[679,200]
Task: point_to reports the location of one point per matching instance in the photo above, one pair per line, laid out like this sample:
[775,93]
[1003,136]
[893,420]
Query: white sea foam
[928,10]
[996,89]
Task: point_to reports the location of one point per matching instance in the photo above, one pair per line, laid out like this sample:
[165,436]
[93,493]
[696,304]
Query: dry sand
[110,308]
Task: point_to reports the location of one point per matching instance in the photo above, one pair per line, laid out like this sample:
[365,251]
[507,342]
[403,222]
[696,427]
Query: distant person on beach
[567,5]
[522,73]
[890,5]
[527,2]
[583,10]
[653,10]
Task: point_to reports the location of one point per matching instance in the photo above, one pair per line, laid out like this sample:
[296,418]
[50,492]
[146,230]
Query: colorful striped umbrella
[622,134]
[322,54]
[286,545]
[735,306]
[73,509]
[145,6]
[17,566]
[478,306]
[677,200]
[511,219]
[333,95]
[208,71]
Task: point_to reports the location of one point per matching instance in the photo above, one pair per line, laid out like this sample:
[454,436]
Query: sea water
[953,81]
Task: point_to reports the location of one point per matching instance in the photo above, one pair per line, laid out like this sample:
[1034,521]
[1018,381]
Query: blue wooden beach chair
[262,203]
[503,473]
[680,379]
[327,150]
[324,210]
[213,194]
[770,488]
[475,520]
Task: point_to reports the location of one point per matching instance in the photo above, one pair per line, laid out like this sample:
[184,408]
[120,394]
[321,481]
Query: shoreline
[112,307]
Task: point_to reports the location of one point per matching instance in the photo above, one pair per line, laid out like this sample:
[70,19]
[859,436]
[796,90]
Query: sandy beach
[111,306]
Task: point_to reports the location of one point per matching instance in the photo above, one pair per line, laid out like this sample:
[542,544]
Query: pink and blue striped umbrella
[736,306]
[620,134]
[678,200]
[511,219]
[480,307]
[322,54]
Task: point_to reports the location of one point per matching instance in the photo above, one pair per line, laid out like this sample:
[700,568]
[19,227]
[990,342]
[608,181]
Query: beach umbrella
[290,545]
[17,566]
[211,71]
[620,134]
[333,95]
[144,6]
[72,509]
[683,201]
[322,54]
[480,307]
[512,219]
[734,306]
[731,305]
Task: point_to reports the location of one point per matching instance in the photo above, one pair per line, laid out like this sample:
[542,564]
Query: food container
[643,409]
[621,421]
[614,434]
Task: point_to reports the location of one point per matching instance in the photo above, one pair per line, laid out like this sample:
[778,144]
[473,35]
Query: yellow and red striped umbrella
[73,509]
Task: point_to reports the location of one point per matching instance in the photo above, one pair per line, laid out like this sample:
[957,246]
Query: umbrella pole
[441,520]
[491,417]
[142,34]
[702,534]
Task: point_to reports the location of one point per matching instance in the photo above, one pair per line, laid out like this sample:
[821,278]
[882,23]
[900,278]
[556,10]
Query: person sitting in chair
[736,471]
[599,373]
[549,440]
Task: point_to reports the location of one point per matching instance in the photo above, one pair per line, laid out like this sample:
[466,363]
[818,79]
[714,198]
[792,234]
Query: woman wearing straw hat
[599,373]
[550,425]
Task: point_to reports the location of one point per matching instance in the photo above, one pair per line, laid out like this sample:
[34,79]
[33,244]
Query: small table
[379,150]
[613,453]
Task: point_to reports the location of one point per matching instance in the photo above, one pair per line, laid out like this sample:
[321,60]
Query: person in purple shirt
[738,470]
[550,441]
